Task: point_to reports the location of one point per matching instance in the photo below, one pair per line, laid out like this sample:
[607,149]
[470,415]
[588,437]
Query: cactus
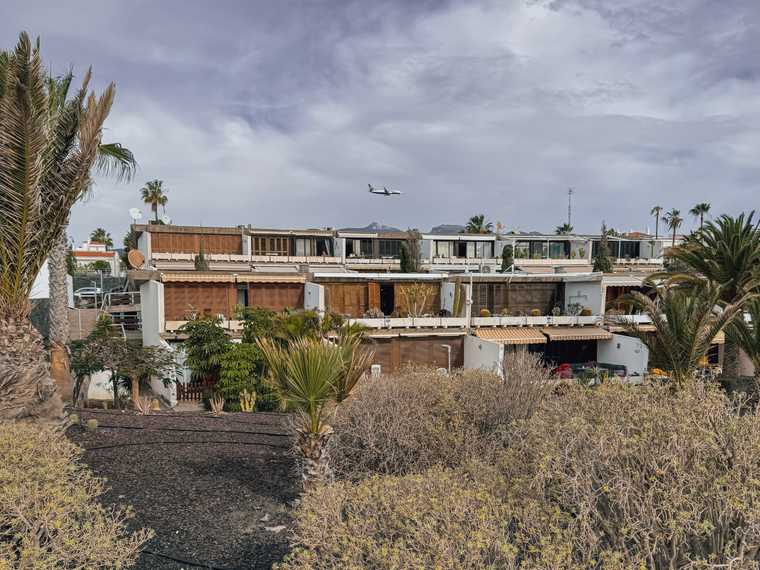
[586,312]
[535,312]
[92,424]
[485,313]
[74,419]
[247,400]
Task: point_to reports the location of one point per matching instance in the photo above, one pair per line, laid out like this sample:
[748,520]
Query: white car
[87,292]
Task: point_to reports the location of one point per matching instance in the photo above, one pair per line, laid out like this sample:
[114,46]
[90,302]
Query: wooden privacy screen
[402,297]
[394,352]
[166,242]
[180,299]
[517,298]
[276,296]
[350,299]
[373,294]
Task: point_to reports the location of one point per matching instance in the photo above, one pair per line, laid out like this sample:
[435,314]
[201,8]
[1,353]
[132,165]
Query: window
[304,246]
[270,246]
[539,249]
[324,247]
[630,249]
[359,247]
[390,248]
[444,249]
[486,251]
[559,249]
[522,250]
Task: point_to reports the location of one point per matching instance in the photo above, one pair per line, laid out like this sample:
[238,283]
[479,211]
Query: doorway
[387,298]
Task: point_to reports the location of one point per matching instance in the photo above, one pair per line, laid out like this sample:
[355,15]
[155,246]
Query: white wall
[587,293]
[100,387]
[448,292]
[314,297]
[746,368]
[247,245]
[339,244]
[41,286]
[483,354]
[626,351]
[152,311]
[143,244]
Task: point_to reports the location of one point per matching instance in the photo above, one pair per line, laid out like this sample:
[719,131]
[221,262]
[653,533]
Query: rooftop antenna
[569,206]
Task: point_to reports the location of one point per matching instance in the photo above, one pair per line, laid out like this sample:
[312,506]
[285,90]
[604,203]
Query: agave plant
[45,164]
[310,375]
[686,321]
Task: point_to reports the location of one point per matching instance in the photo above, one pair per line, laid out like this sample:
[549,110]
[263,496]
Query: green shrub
[435,520]
[50,517]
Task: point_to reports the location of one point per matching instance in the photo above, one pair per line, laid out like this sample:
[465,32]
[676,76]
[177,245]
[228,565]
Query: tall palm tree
[726,253]
[153,194]
[699,211]
[747,336]
[686,321]
[656,212]
[674,220]
[478,225]
[45,162]
[112,160]
[311,376]
[99,235]
[564,229]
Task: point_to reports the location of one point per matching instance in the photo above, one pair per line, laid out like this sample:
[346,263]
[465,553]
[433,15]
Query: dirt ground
[217,491]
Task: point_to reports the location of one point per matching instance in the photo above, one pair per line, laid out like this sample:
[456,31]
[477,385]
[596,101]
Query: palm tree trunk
[154,207]
[673,244]
[313,446]
[59,317]
[730,359]
[27,391]
[657,227]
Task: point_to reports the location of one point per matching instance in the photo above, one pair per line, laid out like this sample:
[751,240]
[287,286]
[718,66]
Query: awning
[720,338]
[253,278]
[197,277]
[576,333]
[644,327]
[512,335]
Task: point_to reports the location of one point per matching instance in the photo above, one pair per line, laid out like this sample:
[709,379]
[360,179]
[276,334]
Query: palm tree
[747,336]
[47,148]
[686,321]
[564,229]
[310,376]
[99,235]
[153,194]
[112,160]
[726,253]
[656,212]
[674,220]
[478,225]
[699,211]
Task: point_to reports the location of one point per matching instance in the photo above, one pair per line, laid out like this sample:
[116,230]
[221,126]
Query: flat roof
[381,276]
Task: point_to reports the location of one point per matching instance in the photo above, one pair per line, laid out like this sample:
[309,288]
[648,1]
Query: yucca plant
[310,376]
[45,163]
[686,321]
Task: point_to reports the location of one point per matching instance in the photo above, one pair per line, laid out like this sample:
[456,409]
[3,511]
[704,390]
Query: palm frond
[45,160]
[116,160]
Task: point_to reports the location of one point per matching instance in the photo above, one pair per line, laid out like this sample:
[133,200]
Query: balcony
[457,322]
[299,259]
[525,261]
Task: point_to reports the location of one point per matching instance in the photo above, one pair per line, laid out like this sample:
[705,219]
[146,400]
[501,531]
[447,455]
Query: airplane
[383,192]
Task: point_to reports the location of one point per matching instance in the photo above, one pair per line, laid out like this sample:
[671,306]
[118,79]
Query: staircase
[123,308]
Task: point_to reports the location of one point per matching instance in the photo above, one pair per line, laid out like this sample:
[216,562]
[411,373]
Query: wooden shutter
[374,296]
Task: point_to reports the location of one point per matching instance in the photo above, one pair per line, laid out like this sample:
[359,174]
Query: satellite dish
[166,219]
[135,214]
[136,259]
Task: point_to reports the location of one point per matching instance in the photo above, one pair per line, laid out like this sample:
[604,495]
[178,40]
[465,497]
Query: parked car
[87,292]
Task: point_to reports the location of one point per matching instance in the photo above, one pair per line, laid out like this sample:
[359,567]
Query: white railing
[569,261]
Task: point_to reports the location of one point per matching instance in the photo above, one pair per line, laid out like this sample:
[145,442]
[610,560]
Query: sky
[278,114]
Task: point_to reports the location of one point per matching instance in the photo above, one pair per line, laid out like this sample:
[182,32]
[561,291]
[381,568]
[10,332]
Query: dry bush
[434,520]
[640,478]
[613,478]
[50,517]
[413,420]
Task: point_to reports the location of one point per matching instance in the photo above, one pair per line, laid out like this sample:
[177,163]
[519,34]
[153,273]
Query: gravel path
[217,491]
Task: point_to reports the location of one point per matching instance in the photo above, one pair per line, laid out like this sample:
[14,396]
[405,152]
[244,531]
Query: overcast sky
[278,113]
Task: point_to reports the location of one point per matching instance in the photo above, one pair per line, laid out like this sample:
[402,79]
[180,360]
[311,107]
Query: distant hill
[373,227]
[447,229]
